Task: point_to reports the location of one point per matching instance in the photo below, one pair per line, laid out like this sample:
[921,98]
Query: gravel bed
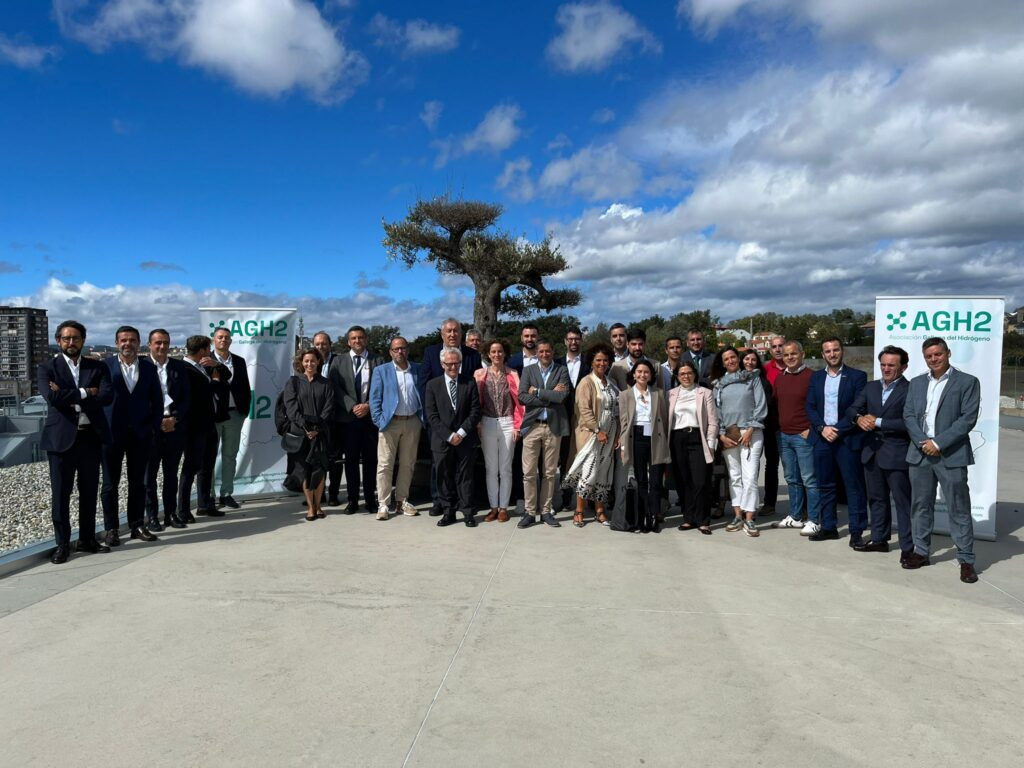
[25,505]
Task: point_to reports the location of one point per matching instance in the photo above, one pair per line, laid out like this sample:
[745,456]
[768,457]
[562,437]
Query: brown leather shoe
[491,516]
[502,515]
[915,560]
[967,573]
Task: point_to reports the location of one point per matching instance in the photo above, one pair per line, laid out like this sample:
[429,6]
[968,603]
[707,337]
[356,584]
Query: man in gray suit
[543,389]
[940,412]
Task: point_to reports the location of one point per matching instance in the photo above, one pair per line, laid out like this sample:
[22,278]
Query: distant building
[742,335]
[868,330]
[762,340]
[1014,321]
[24,343]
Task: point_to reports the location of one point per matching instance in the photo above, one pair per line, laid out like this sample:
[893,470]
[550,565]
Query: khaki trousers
[539,438]
[397,443]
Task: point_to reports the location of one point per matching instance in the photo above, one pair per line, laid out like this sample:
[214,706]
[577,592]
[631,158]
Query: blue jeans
[798,467]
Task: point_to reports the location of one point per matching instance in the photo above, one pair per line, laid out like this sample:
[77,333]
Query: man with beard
[528,354]
[169,440]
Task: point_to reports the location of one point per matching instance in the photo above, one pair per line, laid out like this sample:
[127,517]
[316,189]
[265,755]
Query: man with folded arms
[396,407]
[941,410]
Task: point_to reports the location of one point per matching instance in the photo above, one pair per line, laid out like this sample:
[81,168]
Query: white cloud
[267,47]
[593,34]
[599,172]
[498,131]
[515,180]
[431,114]
[26,55]
[602,116]
[415,37]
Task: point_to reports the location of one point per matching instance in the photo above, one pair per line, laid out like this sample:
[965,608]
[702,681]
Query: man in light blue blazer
[396,408]
[941,410]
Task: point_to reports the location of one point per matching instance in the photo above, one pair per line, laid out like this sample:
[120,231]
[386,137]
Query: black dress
[310,405]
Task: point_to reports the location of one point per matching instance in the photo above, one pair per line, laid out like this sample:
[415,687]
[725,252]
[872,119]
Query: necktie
[452,389]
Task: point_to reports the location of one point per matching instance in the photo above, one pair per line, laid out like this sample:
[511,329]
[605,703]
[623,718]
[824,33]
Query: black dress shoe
[187,517]
[333,501]
[874,546]
[112,538]
[914,561]
[550,520]
[904,554]
[825,534]
[60,555]
[91,546]
[210,512]
[436,509]
[172,521]
[229,502]
[856,541]
[967,573]
[351,508]
[470,520]
[526,521]
[154,524]
[446,520]
[142,533]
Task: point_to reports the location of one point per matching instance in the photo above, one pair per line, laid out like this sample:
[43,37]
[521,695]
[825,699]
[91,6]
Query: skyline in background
[788,156]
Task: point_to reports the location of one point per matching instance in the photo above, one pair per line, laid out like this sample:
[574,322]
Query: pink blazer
[707,418]
[480,374]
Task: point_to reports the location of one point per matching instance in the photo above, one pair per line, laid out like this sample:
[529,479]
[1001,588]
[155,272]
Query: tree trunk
[486,301]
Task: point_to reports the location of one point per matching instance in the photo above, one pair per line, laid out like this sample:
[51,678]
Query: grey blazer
[342,377]
[545,397]
[955,418]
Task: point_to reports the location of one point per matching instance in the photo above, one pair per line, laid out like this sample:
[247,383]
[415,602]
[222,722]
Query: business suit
[453,463]
[398,434]
[229,430]
[844,451]
[545,424]
[73,449]
[134,415]
[621,371]
[703,363]
[351,381]
[693,450]
[646,455]
[432,362]
[956,413]
[167,447]
[208,407]
[884,456]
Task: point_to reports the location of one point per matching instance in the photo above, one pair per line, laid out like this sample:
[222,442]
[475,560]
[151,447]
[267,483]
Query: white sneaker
[382,512]
[787,522]
[408,509]
[810,529]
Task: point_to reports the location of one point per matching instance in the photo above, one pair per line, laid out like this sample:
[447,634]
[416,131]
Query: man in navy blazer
[396,408]
[836,441]
[169,440]
[878,412]
[451,337]
[453,412]
[941,410]
[134,415]
[76,389]
[529,334]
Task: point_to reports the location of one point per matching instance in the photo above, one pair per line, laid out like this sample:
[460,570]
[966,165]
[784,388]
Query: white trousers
[744,465]
[496,443]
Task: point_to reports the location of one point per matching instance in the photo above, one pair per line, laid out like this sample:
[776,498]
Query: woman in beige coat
[693,430]
[643,446]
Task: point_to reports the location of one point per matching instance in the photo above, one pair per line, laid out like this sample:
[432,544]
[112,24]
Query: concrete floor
[264,640]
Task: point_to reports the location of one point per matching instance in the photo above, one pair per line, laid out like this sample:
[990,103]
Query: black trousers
[648,481]
[690,469]
[361,447]
[454,467]
[80,462]
[134,452]
[771,467]
[336,454]
[197,443]
[881,483]
[204,479]
[165,452]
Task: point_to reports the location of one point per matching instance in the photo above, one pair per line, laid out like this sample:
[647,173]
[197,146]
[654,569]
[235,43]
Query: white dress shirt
[130,373]
[227,364]
[74,366]
[573,365]
[686,408]
[408,397]
[935,389]
[161,374]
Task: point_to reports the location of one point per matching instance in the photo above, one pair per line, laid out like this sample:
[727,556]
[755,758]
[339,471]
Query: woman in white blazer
[693,437]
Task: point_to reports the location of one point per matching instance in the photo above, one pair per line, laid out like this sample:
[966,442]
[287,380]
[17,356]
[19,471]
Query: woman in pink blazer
[693,436]
[501,418]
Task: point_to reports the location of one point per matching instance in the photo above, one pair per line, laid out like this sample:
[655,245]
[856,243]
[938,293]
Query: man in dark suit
[335,427]
[453,411]
[941,410]
[878,411]
[208,389]
[229,431]
[169,440]
[578,368]
[451,338]
[527,354]
[836,441]
[351,382]
[134,416]
[543,390]
[76,389]
[699,356]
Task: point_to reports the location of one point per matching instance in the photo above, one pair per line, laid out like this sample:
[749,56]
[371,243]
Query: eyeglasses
[68,339]
[451,365]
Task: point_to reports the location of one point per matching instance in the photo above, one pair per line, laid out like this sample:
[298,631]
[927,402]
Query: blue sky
[789,155]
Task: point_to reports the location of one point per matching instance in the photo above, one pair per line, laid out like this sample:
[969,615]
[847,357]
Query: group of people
[147,416]
[596,431]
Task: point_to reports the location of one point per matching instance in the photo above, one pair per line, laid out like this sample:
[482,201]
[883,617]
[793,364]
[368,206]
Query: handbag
[291,443]
[733,432]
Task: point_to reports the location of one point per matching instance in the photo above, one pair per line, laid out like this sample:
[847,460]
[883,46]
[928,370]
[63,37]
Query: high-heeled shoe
[577,519]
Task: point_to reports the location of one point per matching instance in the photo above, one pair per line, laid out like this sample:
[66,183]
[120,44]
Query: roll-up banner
[973,329]
[265,339]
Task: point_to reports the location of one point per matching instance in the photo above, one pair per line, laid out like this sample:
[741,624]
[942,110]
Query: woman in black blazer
[309,403]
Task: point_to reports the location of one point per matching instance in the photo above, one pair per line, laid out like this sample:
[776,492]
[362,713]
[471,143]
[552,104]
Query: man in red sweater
[790,394]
